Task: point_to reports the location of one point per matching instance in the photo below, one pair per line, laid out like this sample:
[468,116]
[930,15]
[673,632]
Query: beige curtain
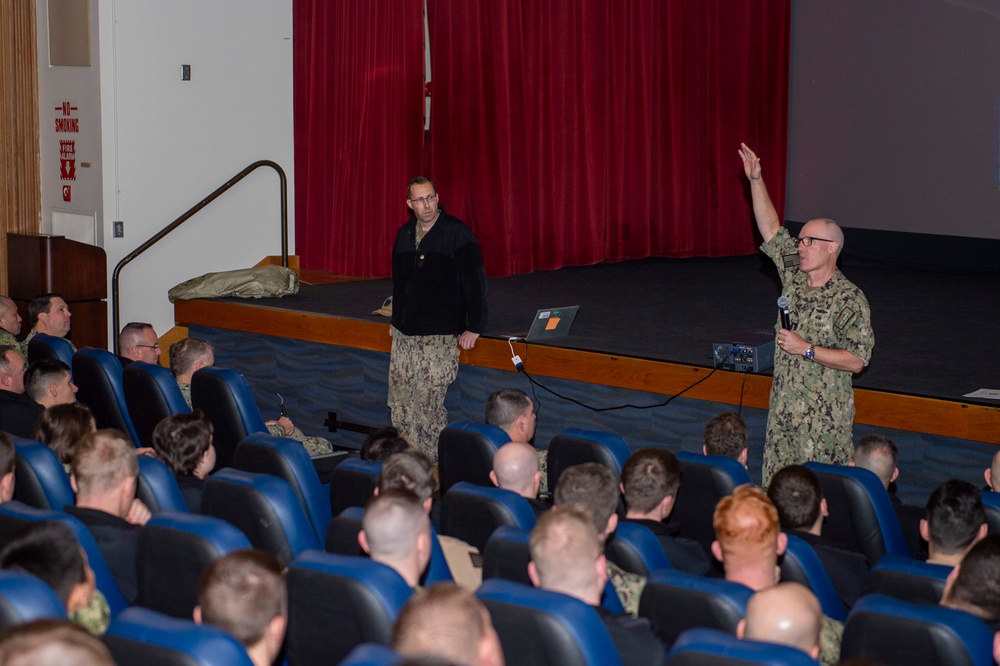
[20,179]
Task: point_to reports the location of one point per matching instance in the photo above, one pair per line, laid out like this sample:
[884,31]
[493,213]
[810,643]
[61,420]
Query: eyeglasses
[809,240]
[149,346]
[424,201]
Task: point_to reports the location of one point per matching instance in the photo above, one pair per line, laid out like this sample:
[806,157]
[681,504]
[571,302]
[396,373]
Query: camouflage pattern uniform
[830,633]
[7,338]
[629,587]
[315,446]
[33,333]
[812,407]
[96,617]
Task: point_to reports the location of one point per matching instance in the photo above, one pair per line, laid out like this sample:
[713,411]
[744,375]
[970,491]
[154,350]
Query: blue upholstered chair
[708,647]
[158,487]
[24,598]
[41,481]
[636,549]
[801,564]
[371,654]
[861,515]
[538,627]
[263,507]
[465,453]
[227,401]
[337,602]
[907,579]
[675,602]
[573,446]
[897,633]
[142,636]
[471,513]
[352,484]
[704,481]
[97,374]
[49,346]
[151,394]
[175,548]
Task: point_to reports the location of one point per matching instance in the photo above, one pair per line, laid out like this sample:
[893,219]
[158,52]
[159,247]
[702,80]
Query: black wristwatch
[811,352]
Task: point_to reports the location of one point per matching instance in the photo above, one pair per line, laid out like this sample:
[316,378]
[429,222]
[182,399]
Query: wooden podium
[42,264]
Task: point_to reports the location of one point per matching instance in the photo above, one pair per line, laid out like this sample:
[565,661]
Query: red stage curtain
[564,133]
[358,87]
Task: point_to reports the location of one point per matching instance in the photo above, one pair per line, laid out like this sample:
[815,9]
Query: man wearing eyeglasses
[438,307]
[138,342]
[812,400]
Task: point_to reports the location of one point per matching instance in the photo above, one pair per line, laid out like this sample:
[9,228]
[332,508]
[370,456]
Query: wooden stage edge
[947,418]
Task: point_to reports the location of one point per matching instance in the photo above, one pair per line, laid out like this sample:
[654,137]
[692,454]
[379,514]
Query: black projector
[749,351]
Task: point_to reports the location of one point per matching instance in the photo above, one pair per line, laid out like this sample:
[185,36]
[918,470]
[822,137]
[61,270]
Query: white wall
[165,144]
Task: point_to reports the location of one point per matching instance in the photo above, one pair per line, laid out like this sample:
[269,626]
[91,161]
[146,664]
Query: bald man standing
[515,468]
[786,614]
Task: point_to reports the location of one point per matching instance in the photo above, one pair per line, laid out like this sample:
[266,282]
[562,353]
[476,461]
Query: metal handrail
[115,305]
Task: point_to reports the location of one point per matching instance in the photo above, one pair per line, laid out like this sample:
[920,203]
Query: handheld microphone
[786,319]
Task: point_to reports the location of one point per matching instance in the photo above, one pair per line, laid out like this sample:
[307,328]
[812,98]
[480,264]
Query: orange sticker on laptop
[552,324]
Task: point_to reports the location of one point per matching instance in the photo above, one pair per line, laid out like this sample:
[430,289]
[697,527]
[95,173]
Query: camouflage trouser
[316,446]
[629,587]
[421,368]
[95,616]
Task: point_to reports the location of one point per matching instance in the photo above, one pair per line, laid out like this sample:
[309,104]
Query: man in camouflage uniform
[812,400]
[10,326]
[49,314]
[438,306]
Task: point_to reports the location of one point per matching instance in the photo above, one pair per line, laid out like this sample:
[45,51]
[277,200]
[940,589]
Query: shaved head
[515,466]
[787,614]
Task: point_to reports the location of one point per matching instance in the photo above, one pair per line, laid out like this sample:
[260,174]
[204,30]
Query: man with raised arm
[812,399]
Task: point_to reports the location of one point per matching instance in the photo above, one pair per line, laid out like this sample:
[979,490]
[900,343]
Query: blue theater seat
[40,480]
[573,446]
[704,481]
[371,654]
[24,598]
[227,401]
[158,488]
[907,579]
[97,374]
[711,647]
[897,633]
[539,627]
[471,513]
[49,346]
[675,602]
[465,453]
[151,395]
[142,636]
[337,602]
[801,564]
[636,549]
[352,484]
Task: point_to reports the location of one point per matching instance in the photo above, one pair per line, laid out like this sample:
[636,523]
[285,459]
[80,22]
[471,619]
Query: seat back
[801,564]
[97,374]
[895,632]
[158,487]
[371,654]
[24,598]
[227,401]
[471,513]
[907,579]
[41,481]
[573,446]
[991,502]
[264,508]
[288,459]
[465,453]
[142,636]
[675,602]
[175,548]
[704,481]
[352,484]
[538,627]
[151,395]
[337,602]
[14,515]
[636,549]
[507,555]
[861,515]
[44,345]
[711,647]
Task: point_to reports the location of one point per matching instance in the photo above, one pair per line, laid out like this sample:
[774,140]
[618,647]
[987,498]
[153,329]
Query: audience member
[7,466]
[880,455]
[727,435]
[786,614]
[10,326]
[49,550]
[51,643]
[974,584]
[49,382]
[381,444]
[105,475]
[192,354]
[567,557]
[244,594]
[184,443]
[650,480]
[396,531]
[447,622]
[594,487]
[138,342]
[512,411]
[18,412]
[60,427]
[49,314]
[515,468]
[993,472]
[798,496]
[412,471]
[955,520]
[749,541]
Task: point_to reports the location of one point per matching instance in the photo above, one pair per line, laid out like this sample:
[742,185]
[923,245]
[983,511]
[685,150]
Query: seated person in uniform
[138,342]
[650,481]
[880,456]
[396,531]
[567,557]
[515,468]
[244,594]
[61,427]
[512,411]
[727,435]
[973,585]
[49,382]
[10,326]
[381,444]
[992,474]
[49,314]
[184,443]
[18,411]
[786,614]
[7,456]
[52,643]
[446,624]
[954,521]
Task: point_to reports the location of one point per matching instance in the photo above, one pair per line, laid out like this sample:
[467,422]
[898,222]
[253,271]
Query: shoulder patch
[790,260]
[846,317]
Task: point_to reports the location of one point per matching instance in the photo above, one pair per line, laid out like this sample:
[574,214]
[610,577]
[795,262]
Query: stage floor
[934,331]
